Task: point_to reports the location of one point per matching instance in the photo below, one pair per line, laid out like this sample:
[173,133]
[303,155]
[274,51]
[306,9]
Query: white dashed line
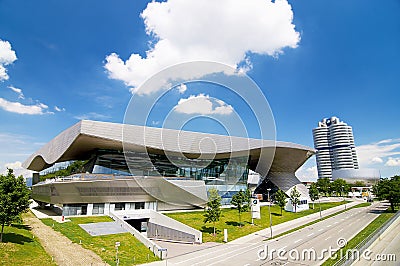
[328,237]
[329,225]
[310,234]
[320,230]
[340,230]
[298,240]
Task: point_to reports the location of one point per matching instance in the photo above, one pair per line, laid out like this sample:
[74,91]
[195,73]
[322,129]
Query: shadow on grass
[15,238]
[209,229]
[234,223]
[275,214]
[22,226]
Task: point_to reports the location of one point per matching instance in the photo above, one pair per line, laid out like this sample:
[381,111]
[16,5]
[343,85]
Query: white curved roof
[79,141]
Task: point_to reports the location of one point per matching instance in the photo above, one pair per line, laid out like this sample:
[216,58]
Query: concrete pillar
[90,209]
[106,208]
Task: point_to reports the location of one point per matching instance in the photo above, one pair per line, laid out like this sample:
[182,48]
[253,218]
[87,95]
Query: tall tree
[295,198]
[241,202]
[14,199]
[324,185]
[388,189]
[340,186]
[314,193]
[213,209]
[280,199]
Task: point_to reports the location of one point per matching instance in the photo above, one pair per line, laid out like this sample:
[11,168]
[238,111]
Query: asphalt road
[317,237]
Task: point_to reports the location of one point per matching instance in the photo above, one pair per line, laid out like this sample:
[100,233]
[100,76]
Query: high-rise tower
[334,142]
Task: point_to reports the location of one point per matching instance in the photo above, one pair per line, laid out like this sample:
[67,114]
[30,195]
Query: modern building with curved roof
[136,167]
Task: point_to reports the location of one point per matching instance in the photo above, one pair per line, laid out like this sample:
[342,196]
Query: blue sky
[311,59]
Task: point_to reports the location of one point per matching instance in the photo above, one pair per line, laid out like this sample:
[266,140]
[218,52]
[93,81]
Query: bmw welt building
[136,167]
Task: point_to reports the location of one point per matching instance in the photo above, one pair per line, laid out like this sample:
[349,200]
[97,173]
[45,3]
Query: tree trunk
[214,229]
[313,206]
[1,235]
[240,221]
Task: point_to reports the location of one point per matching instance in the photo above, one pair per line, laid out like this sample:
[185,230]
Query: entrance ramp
[159,226]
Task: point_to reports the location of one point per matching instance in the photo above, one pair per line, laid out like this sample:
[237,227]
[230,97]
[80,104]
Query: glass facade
[98,208]
[74,209]
[227,175]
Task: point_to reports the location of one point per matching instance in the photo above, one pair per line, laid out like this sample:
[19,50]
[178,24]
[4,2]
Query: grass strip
[130,252]
[20,247]
[371,227]
[230,221]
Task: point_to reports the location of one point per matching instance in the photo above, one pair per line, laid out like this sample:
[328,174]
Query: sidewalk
[386,245]
[286,226]
[60,248]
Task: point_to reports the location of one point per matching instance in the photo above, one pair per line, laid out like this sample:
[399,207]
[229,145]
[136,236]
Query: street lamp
[269,209]
[343,197]
[117,244]
[319,203]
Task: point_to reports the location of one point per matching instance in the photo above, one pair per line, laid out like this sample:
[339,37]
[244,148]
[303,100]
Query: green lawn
[374,225]
[20,248]
[230,221]
[131,251]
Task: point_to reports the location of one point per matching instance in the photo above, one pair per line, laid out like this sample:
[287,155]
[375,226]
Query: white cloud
[203,104]
[18,91]
[393,162]
[182,88]
[223,31]
[19,108]
[59,109]
[18,169]
[92,115]
[306,174]
[377,160]
[7,56]
[373,153]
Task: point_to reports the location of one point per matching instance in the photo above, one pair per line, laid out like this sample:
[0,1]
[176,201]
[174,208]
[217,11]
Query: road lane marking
[228,257]
[310,234]
[328,237]
[247,249]
[329,225]
[336,222]
[208,254]
[340,230]
[320,230]
[298,240]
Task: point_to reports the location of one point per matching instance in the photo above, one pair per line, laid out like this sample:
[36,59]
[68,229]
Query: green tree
[213,209]
[241,201]
[295,198]
[340,186]
[359,184]
[14,199]
[314,193]
[388,189]
[324,185]
[280,199]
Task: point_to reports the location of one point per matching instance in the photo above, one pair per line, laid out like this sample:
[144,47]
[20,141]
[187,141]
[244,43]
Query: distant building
[334,142]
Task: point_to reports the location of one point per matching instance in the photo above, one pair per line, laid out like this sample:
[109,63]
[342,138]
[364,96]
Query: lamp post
[269,209]
[117,244]
[319,203]
[343,198]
